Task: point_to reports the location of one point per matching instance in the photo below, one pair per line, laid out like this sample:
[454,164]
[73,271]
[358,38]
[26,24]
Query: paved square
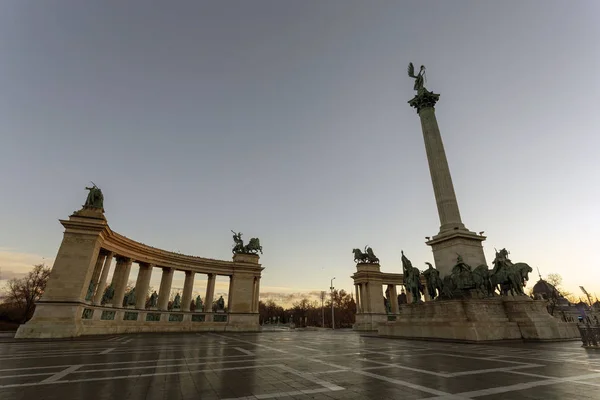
[292,365]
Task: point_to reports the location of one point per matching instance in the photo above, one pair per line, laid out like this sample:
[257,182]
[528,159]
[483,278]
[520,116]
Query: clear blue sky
[289,121]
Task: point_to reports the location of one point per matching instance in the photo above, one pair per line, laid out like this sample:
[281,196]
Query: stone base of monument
[68,320]
[478,320]
[535,323]
[52,321]
[368,321]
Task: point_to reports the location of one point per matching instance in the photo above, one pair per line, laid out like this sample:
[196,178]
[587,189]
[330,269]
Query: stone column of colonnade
[165,288]
[122,270]
[210,293]
[256,295]
[102,279]
[95,276]
[188,287]
[363,298]
[357,298]
[393,298]
[142,284]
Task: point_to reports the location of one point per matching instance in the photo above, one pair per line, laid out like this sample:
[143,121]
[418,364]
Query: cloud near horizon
[14,264]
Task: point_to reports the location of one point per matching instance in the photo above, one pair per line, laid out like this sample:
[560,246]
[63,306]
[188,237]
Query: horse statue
[481,278]
[412,279]
[509,277]
[434,282]
[368,257]
[371,258]
[253,246]
[359,256]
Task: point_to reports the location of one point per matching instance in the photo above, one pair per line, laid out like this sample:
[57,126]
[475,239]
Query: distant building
[561,307]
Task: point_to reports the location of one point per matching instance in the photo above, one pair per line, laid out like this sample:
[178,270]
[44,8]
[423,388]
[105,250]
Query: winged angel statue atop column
[420,78]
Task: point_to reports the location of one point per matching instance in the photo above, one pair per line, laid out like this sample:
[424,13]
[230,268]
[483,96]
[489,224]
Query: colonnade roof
[121,245]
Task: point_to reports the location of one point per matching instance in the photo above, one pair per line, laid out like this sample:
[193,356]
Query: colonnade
[363,296]
[99,283]
[74,301]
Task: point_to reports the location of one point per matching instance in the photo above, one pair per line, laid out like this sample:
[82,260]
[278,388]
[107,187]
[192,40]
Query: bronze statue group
[463,281]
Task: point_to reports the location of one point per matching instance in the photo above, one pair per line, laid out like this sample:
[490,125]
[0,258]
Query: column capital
[424,99]
[122,259]
[145,264]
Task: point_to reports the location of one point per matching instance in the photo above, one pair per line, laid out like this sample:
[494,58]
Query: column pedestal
[446,248]
[58,313]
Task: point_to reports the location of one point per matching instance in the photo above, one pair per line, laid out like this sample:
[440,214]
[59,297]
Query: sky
[289,121]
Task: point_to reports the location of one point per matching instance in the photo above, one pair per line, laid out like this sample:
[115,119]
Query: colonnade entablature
[79,300]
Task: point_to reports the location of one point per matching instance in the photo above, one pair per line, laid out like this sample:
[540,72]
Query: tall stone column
[96,275]
[256,295]
[188,287]
[210,293]
[357,299]
[122,268]
[363,294]
[393,298]
[142,284]
[102,281]
[453,238]
[165,288]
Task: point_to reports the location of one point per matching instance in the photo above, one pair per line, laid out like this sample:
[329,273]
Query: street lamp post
[332,313]
[323,294]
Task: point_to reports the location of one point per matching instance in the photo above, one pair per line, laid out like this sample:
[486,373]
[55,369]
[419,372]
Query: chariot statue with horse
[368,257]
[253,246]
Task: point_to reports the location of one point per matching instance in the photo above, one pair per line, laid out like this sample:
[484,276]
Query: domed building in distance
[561,307]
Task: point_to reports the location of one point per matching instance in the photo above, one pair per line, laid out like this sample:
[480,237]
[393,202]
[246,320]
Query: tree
[556,281]
[23,293]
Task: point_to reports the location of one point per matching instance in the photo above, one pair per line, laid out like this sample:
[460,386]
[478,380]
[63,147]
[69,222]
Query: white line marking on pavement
[23,375]
[61,374]
[425,389]
[312,378]
[127,341]
[109,378]
[423,371]
[244,351]
[139,362]
[519,386]
[305,348]
[280,394]
[107,351]
[486,371]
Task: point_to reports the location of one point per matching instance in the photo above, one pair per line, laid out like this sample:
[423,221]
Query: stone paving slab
[292,365]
